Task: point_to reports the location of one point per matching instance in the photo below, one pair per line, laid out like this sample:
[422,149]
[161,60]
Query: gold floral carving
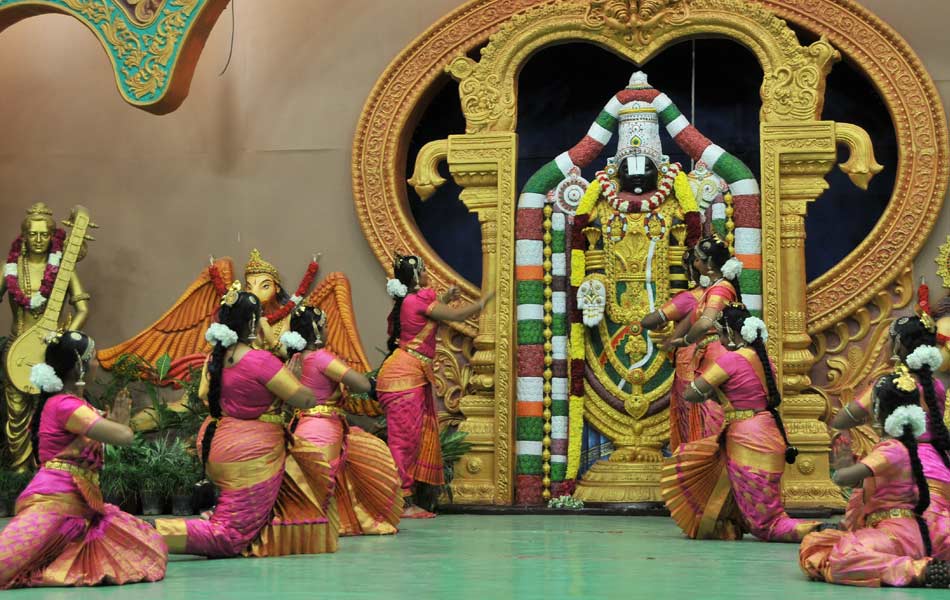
[792,91]
[636,19]
[943,263]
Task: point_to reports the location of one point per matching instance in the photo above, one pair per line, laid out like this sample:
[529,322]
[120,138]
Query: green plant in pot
[454,447]
[185,472]
[156,472]
[118,478]
[11,484]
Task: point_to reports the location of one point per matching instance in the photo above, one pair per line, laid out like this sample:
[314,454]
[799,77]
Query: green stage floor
[476,557]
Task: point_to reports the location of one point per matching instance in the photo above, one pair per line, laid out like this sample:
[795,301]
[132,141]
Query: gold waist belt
[739,415]
[416,355]
[271,418]
[68,467]
[322,410]
[882,515]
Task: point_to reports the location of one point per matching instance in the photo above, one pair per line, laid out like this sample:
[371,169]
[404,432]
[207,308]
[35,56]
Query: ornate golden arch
[797,150]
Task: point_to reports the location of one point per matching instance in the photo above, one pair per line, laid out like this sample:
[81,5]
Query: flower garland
[281,313]
[902,417]
[663,189]
[11,272]
[929,356]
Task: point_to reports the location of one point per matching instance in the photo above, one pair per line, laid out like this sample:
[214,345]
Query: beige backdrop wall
[259,156]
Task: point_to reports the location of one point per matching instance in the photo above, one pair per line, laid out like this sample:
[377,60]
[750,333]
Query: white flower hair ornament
[906,415]
[45,378]
[705,281]
[752,328]
[293,341]
[925,356]
[396,289]
[218,333]
[732,269]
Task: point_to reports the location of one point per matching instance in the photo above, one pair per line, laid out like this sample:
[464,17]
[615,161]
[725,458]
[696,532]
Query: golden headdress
[256,265]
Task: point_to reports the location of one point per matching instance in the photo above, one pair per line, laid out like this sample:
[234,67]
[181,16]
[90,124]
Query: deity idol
[29,276]
[592,261]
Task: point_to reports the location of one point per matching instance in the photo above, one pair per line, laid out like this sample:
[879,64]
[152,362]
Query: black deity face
[638,183]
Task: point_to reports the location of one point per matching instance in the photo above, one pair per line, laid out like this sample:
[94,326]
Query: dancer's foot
[414,512]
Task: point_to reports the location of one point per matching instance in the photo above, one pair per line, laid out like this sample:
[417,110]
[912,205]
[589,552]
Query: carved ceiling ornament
[489,101]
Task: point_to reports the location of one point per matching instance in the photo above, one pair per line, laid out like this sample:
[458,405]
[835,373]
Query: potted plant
[11,484]
[117,479]
[184,473]
[156,469]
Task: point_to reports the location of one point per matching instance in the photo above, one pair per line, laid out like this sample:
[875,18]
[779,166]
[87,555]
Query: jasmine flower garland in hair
[705,281]
[293,341]
[925,355]
[396,289]
[218,333]
[752,328]
[906,415]
[45,378]
[732,269]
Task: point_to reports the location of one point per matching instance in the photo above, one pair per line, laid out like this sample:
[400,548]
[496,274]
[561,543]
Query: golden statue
[41,260]
[262,279]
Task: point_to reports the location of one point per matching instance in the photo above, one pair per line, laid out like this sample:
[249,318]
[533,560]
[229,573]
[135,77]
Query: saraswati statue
[40,279]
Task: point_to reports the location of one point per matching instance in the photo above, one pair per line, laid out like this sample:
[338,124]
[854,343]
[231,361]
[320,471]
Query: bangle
[851,414]
[663,317]
[692,385]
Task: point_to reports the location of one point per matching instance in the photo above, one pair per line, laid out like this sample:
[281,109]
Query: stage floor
[477,557]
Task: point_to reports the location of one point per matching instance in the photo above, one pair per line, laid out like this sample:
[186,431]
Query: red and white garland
[12,275]
[281,313]
[663,189]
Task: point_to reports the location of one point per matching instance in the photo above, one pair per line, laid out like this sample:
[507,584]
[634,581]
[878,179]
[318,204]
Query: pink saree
[716,492]
[404,387]
[885,547]
[270,503]
[63,533]
[365,481]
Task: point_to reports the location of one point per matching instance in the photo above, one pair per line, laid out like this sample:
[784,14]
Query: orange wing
[180,331]
[333,297]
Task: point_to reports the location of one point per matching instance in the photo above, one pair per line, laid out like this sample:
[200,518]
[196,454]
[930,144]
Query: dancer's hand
[450,295]
[121,408]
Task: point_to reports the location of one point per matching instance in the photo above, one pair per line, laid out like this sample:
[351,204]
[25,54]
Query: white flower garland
[753,328]
[293,341]
[37,300]
[45,378]
[218,333]
[55,258]
[906,415]
[925,355]
[10,270]
[732,269]
[396,289]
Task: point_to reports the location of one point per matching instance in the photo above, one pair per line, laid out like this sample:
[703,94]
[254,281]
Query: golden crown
[40,208]
[256,265]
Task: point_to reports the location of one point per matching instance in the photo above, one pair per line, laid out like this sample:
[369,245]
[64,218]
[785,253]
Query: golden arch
[797,150]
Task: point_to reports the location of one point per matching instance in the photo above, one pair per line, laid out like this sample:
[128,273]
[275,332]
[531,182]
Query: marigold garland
[49,274]
[684,194]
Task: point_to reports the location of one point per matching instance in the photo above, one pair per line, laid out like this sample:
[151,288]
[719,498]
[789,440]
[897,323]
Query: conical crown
[256,265]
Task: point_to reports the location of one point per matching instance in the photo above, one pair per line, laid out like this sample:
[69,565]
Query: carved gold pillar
[795,159]
[484,166]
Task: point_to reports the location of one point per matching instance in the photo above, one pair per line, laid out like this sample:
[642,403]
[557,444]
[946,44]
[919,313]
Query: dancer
[405,379]
[891,542]
[63,533]
[914,345]
[687,421]
[242,442]
[365,481]
[719,490]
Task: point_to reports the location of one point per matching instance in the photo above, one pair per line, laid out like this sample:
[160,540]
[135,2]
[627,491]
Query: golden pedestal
[620,482]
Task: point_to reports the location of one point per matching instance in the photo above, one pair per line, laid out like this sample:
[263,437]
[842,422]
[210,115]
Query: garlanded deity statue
[592,260]
[262,279]
[35,267]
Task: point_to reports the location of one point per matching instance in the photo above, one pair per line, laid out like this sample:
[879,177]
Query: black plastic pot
[153,503]
[183,504]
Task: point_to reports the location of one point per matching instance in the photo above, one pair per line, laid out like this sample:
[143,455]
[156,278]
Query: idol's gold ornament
[31,327]
[797,149]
